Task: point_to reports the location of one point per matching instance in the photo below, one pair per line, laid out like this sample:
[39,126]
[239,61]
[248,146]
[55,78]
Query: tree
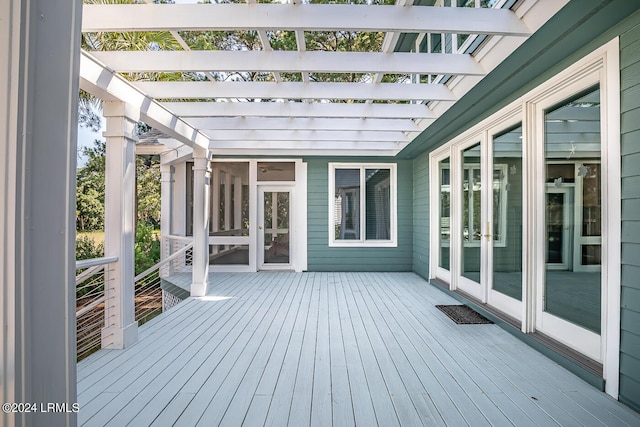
[148,190]
[90,189]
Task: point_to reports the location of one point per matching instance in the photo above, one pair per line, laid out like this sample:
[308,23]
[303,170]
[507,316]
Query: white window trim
[363,242]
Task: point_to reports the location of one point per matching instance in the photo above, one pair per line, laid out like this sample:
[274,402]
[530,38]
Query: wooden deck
[331,349]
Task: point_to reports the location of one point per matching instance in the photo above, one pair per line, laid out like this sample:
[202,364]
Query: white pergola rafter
[299,109]
[96,79]
[308,61]
[305,135]
[303,123]
[296,90]
[303,17]
[344,146]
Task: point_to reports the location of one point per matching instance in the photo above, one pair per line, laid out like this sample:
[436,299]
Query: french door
[275,219]
[488,228]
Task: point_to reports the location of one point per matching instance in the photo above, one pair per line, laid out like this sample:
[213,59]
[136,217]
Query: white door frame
[276,188]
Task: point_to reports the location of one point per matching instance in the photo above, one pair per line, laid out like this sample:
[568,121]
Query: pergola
[443,48]
[441,52]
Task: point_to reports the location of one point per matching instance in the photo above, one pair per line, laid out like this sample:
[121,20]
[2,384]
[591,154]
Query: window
[362,204]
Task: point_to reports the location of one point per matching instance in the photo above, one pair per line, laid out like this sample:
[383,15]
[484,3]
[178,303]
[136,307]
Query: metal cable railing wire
[93,302]
[90,304]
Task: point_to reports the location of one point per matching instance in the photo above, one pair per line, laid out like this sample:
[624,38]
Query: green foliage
[147,248]
[148,190]
[88,248]
[90,189]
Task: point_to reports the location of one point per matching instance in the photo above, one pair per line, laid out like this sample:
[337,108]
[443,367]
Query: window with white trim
[362,204]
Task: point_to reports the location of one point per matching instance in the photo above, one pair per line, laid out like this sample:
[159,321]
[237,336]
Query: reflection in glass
[378,204]
[471,214]
[347,204]
[507,213]
[276,227]
[573,211]
[445,213]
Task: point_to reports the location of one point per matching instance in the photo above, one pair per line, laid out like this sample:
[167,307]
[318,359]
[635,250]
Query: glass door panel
[470,260]
[506,228]
[571,290]
[445,215]
[275,228]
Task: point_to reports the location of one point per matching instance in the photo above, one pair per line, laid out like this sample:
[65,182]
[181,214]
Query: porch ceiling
[299,99]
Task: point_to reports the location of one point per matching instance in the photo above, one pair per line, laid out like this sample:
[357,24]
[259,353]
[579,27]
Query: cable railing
[150,298]
[90,304]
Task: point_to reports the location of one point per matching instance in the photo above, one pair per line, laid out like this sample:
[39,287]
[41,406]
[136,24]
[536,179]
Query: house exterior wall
[584,39]
[321,257]
[630,151]
[421,215]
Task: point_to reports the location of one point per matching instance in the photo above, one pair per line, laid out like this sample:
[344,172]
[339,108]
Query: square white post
[201,177]
[166,201]
[121,329]
[40,62]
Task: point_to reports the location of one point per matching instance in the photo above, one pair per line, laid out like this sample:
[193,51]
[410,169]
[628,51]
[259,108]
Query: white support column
[121,329]
[201,177]
[39,57]
[166,202]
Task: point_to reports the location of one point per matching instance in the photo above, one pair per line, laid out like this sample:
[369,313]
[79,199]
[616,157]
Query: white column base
[199,289]
[119,338]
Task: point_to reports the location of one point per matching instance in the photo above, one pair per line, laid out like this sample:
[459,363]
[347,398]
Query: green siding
[421,215]
[630,140]
[321,257]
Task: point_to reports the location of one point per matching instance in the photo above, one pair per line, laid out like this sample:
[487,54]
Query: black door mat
[463,315]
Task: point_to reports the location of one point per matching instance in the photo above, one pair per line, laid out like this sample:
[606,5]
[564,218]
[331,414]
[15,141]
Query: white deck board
[331,349]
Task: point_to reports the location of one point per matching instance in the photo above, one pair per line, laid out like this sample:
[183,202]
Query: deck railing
[150,298]
[90,303]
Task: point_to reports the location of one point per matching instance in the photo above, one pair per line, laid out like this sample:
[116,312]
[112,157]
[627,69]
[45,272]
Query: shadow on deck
[331,349]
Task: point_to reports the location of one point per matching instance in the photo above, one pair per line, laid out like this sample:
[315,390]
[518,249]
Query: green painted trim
[630,403]
[174,290]
[566,363]
[579,28]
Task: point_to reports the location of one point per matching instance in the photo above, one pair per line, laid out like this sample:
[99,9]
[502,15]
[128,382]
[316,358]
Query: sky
[85,139]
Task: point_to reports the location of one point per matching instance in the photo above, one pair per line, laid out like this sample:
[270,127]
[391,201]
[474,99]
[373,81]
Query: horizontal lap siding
[321,257]
[421,215]
[630,148]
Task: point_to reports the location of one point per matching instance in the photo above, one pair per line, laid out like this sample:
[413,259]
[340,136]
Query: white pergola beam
[290,61]
[277,123]
[293,146]
[302,17]
[299,109]
[304,135]
[107,85]
[296,90]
